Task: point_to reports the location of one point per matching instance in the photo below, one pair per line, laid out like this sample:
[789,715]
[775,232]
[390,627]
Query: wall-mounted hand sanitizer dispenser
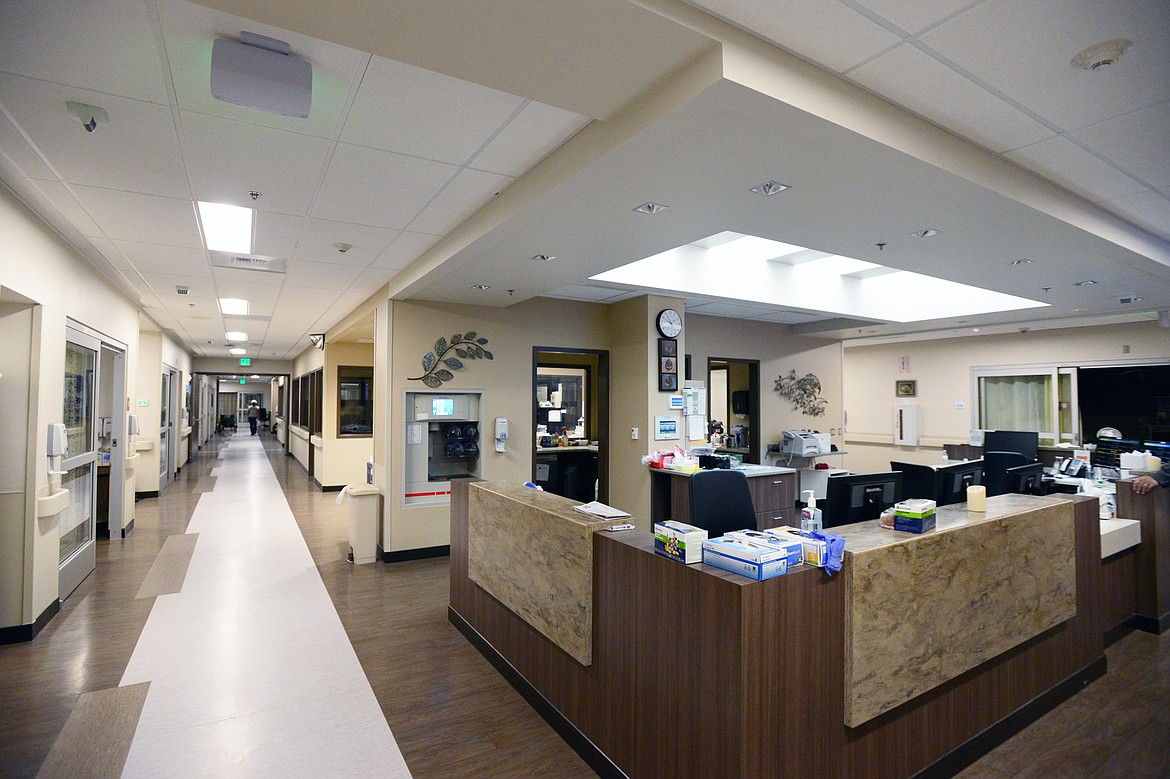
[501,433]
[58,444]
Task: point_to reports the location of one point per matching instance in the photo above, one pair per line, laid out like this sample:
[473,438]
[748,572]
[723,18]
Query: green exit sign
[245,361]
[243,381]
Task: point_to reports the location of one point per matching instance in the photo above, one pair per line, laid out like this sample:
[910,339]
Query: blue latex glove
[835,549]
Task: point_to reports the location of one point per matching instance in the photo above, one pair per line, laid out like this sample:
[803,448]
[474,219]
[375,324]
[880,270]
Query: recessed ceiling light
[651,208]
[254,376]
[233,306]
[1085,283]
[974,329]
[226,228]
[769,188]
[927,233]
[1022,261]
[235,335]
[543,257]
[1102,55]
[237,351]
[481,287]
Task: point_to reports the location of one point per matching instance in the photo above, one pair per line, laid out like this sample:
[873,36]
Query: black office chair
[995,470]
[721,501]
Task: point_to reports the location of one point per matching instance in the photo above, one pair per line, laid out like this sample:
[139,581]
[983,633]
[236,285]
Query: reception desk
[699,672]
[773,495]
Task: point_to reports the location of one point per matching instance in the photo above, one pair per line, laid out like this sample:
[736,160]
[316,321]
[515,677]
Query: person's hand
[1143,484]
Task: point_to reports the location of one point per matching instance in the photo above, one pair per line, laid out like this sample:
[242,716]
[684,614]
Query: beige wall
[778,351]
[344,458]
[942,369]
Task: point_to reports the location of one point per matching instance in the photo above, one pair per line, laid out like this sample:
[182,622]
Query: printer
[803,443]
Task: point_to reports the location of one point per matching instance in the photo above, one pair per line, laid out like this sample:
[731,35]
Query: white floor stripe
[250,668]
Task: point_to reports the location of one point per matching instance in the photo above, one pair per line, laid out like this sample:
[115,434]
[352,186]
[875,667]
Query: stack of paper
[600,510]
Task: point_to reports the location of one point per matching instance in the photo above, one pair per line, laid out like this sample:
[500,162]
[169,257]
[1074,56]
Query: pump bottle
[810,515]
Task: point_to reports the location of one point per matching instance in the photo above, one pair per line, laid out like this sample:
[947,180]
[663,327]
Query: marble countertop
[564,449]
[863,536]
[546,502]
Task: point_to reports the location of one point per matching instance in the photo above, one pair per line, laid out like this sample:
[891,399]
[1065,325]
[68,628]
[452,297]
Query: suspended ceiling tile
[190,29]
[378,188]
[470,191]
[371,280]
[915,80]
[305,296]
[137,151]
[1138,142]
[529,138]
[1025,49]
[106,45]
[787,317]
[319,235]
[412,111]
[831,33]
[1064,162]
[61,198]
[914,15]
[322,275]
[112,254]
[156,258]
[404,249]
[228,160]
[132,216]
[584,292]
[14,146]
[727,309]
[164,285]
[276,234]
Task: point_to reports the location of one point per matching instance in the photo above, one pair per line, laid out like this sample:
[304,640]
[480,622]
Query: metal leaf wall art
[438,367]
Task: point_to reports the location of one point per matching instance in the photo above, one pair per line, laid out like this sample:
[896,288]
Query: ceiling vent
[249,262]
[259,72]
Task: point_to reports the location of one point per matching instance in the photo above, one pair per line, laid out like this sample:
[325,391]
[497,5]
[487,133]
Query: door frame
[603,440]
[754,452]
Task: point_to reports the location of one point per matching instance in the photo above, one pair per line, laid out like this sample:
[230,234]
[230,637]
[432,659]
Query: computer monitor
[954,479]
[918,481]
[857,497]
[1026,479]
[1026,443]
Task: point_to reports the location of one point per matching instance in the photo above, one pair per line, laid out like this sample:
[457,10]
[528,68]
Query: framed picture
[667,382]
[667,365]
[667,347]
[906,389]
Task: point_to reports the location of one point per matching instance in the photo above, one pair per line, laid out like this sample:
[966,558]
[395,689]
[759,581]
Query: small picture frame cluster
[667,365]
[905,389]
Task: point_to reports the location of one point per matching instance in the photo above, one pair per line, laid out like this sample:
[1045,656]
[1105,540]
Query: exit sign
[243,381]
[245,361]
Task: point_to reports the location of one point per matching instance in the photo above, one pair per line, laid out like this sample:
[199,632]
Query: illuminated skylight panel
[226,228]
[841,286]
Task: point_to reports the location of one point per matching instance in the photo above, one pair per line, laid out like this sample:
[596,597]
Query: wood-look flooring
[451,713]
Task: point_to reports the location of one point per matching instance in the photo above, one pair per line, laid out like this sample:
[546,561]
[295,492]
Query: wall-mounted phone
[56,445]
[501,433]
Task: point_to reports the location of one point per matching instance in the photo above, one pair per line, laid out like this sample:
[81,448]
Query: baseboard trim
[577,741]
[425,553]
[977,746]
[1156,625]
[126,530]
[19,634]
[146,494]
[332,488]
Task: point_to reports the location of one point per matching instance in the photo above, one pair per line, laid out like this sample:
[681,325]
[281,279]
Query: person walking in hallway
[253,415]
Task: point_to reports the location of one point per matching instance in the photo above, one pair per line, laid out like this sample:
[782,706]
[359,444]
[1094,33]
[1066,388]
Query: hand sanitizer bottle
[810,515]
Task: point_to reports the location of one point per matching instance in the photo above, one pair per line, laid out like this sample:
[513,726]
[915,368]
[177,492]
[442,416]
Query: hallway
[451,714]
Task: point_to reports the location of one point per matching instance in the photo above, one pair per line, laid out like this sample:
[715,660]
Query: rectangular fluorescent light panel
[226,228]
[233,307]
[235,335]
[237,351]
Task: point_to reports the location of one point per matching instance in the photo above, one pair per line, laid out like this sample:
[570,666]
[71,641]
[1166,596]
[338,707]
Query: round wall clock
[669,323]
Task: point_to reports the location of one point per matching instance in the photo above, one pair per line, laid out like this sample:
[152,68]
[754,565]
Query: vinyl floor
[450,714]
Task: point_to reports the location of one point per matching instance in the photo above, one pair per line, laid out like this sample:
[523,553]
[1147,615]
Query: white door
[78,523]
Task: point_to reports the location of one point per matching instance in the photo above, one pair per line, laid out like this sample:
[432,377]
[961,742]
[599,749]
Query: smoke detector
[1102,55]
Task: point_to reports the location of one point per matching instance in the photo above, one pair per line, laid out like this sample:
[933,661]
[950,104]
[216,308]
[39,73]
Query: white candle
[977,498]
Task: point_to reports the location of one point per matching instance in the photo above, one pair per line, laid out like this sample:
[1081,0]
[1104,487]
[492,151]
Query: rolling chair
[721,501]
[995,470]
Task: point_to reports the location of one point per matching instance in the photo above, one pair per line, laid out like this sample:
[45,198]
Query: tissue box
[915,508]
[755,561]
[791,546]
[914,524]
[814,551]
[679,541]
[1134,461]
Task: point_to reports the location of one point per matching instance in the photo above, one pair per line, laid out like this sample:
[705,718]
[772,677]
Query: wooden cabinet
[773,496]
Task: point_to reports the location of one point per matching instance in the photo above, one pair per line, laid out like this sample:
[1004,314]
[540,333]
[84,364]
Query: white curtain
[1016,403]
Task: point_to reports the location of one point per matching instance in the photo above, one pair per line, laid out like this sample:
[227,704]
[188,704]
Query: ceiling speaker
[259,72]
